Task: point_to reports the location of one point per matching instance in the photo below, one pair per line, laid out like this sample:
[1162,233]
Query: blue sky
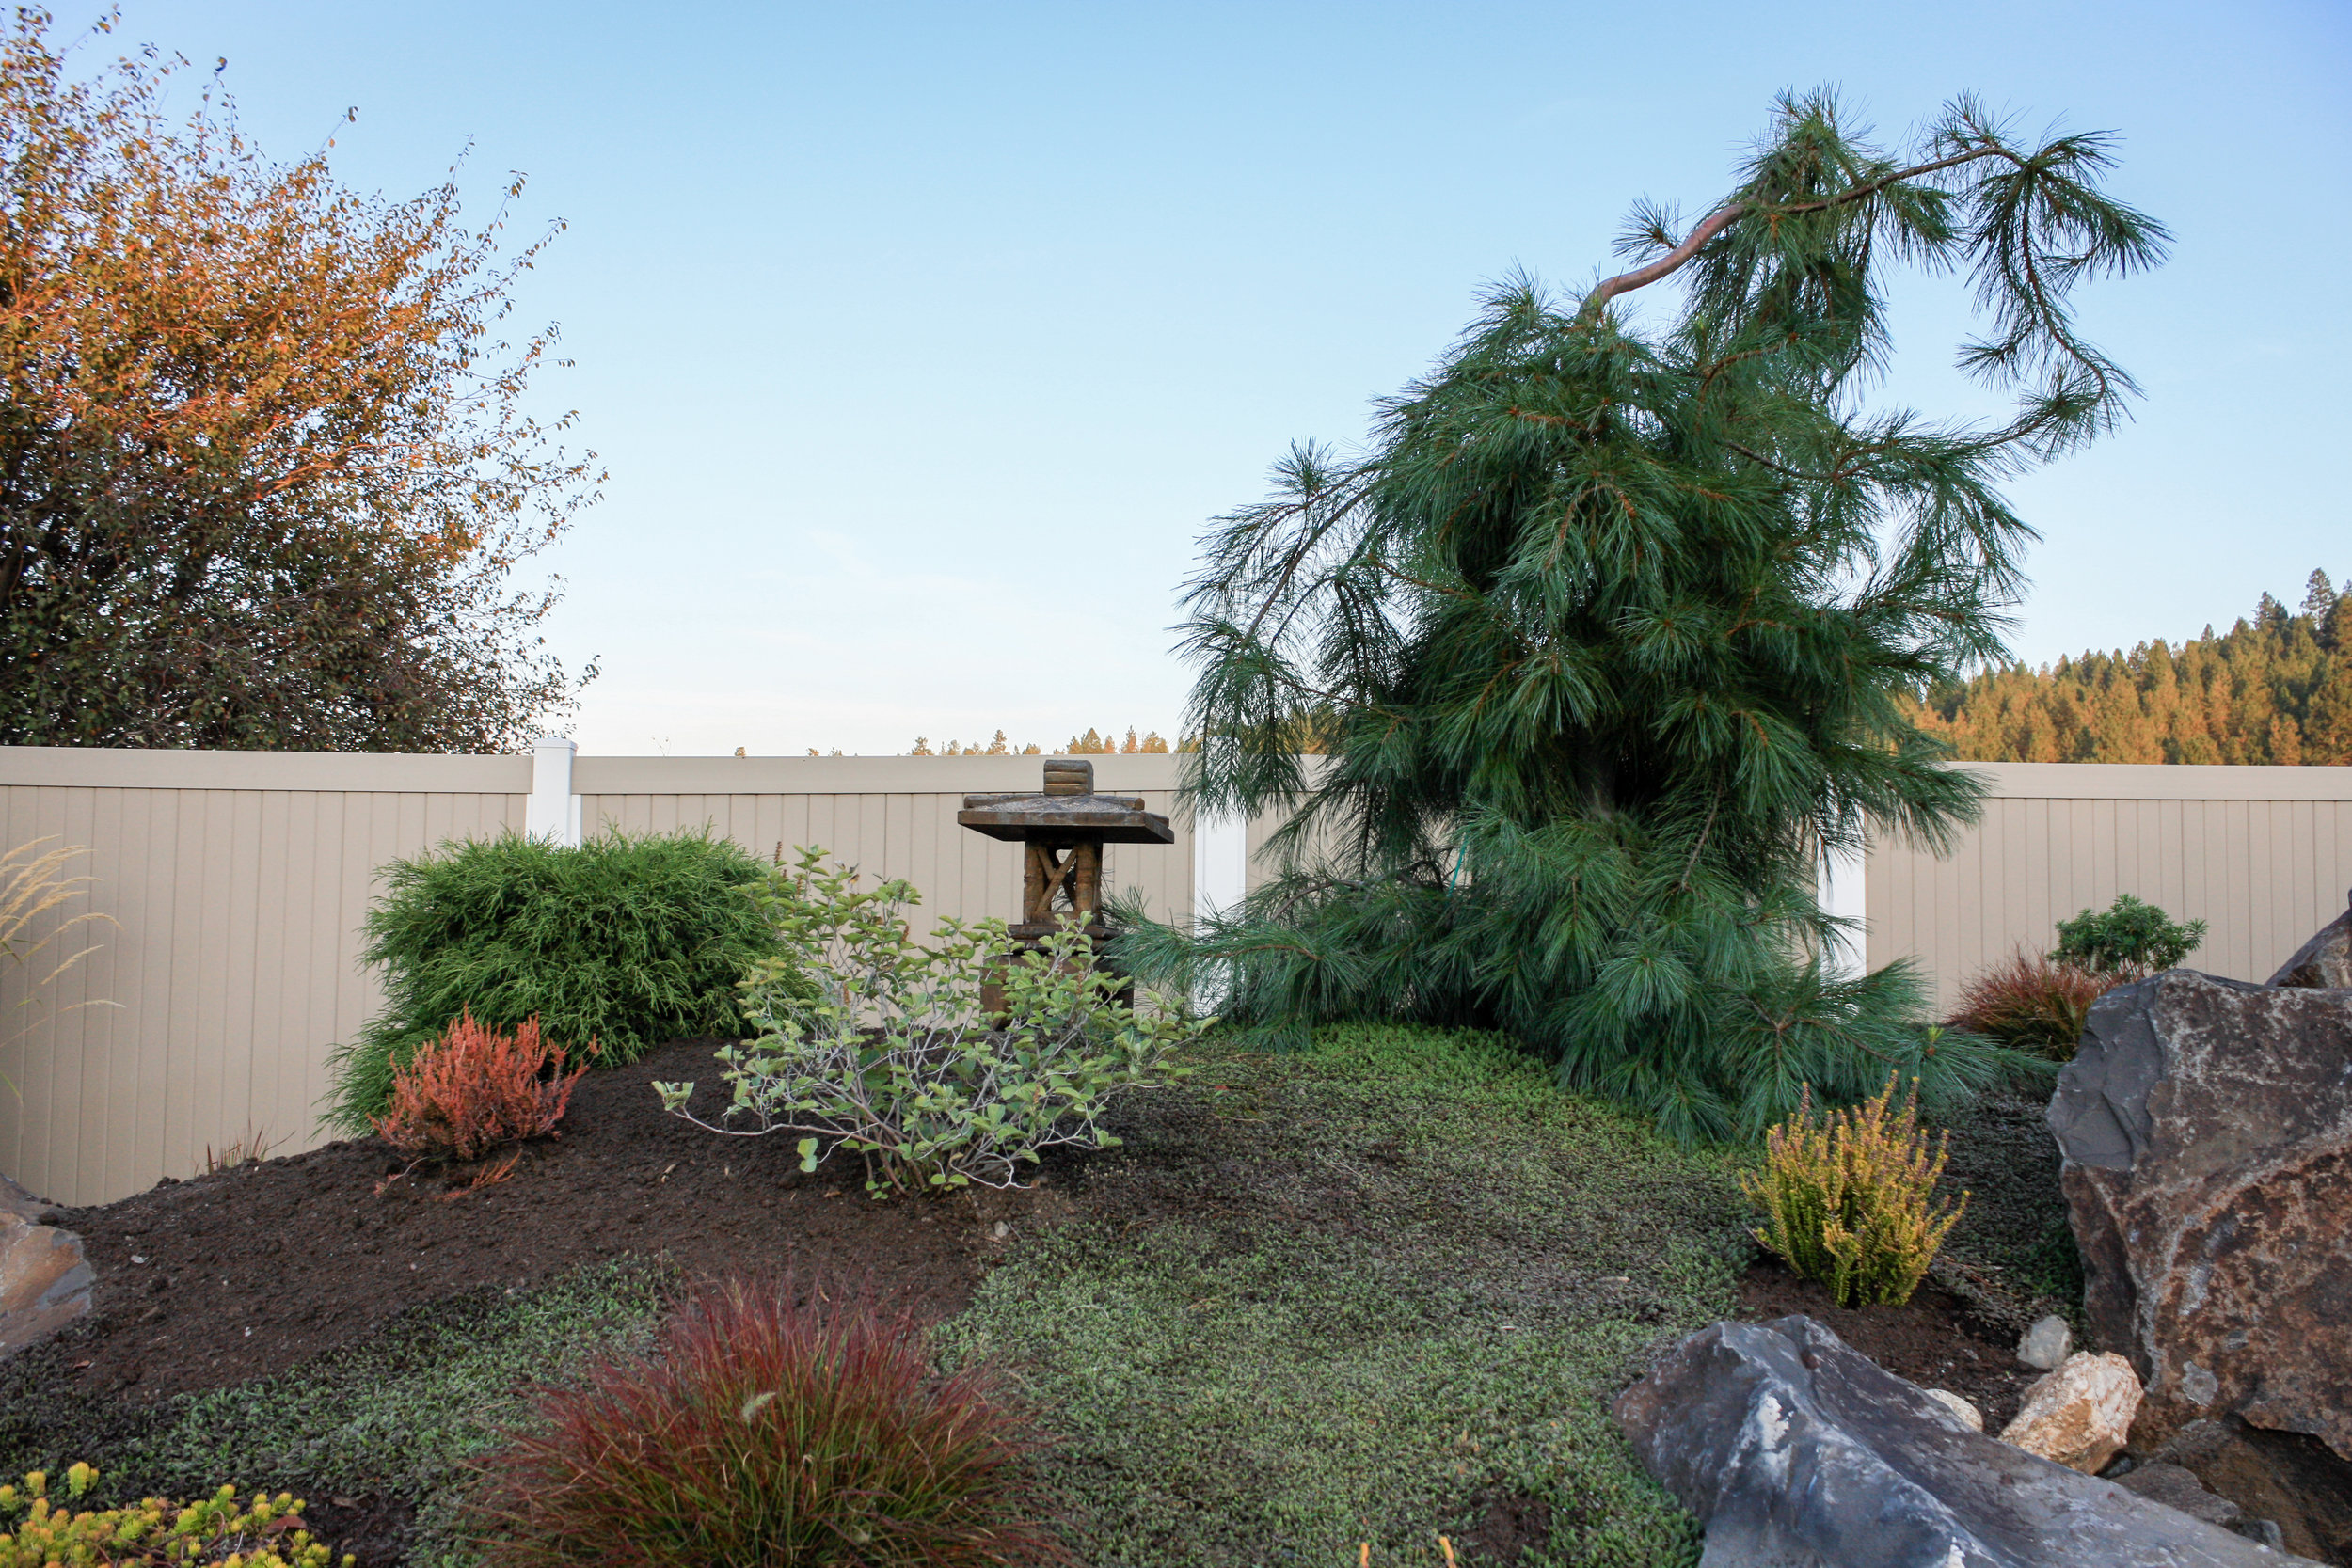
[921,341]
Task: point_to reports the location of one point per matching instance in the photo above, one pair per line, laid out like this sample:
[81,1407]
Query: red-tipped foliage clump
[477,1087]
[762,1432]
[2032,1002]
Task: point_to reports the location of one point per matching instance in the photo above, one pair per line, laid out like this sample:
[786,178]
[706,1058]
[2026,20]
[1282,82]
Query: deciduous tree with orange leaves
[265,474]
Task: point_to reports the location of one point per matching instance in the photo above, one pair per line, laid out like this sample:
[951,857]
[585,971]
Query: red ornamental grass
[759,1432]
[477,1087]
[2033,1003]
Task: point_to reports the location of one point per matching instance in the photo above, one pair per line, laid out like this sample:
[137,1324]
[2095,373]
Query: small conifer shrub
[1850,1200]
[40,1532]
[2127,939]
[2033,1004]
[766,1432]
[478,1087]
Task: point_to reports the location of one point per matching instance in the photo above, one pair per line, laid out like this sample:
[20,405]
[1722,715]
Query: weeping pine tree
[1609,634]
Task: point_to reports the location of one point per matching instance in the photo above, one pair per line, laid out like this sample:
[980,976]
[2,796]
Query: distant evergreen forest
[2276,689]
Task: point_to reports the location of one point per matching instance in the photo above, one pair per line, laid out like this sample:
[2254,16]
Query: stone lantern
[1061,832]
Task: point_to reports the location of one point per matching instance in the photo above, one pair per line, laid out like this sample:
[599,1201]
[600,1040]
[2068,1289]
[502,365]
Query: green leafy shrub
[626,941]
[893,1058]
[2032,1004]
[2127,939]
[267,1532]
[1849,1200]
[760,1432]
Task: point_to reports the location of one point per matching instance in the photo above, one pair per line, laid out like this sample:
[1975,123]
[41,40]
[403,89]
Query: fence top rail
[364,772]
[108,768]
[2128,780]
[1114,773]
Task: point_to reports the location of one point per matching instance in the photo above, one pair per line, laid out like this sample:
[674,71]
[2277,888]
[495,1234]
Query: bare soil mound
[206,1283]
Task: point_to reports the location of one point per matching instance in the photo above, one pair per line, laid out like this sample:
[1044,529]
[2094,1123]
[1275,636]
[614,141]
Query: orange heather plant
[264,472]
[477,1087]
[1850,1200]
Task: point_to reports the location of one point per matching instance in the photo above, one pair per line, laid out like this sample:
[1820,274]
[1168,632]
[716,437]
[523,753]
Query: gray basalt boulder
[45,1281]
[2326,960]
[2206,1129]
[1797,1451]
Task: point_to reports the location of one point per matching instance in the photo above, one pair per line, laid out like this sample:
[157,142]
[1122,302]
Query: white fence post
[553,810]
[1841,895]
[1220,875]
[1220,863]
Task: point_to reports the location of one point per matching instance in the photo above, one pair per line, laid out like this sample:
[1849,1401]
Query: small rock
[2080,1414]
[1970,1417]
[1001,1230]
[2263,1532]
[2046,1344]
[2175,1487]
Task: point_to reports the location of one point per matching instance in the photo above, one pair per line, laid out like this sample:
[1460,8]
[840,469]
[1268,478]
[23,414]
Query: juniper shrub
[628,940]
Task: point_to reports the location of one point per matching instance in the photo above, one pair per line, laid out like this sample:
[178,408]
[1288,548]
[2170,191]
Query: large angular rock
[1797,1452]
[44,1281]
[2206,1126]
[2326,960]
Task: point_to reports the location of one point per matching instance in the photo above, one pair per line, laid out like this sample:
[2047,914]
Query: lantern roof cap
[1067,809]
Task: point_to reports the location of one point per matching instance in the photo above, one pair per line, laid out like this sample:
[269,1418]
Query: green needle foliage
[2127,939]
[626,942]
[1617,622]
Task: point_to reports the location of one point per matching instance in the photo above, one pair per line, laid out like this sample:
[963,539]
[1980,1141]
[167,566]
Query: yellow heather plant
[36,1532]
[1850,1200]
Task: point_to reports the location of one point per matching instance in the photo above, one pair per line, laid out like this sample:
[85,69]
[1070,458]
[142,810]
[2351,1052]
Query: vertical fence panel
[232,885]
[2263,855]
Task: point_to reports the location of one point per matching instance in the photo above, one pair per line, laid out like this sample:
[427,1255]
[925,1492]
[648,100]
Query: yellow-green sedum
[44,1532]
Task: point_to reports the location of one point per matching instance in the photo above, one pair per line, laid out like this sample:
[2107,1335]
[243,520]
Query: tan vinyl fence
[2263,855]
[238,883]
[892,816]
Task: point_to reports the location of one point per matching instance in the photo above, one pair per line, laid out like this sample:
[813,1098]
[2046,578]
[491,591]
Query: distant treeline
[2276,689]
[1092,743]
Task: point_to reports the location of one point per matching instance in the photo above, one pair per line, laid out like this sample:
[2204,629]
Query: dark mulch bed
[373,1529]
[206,1283]
[1937,1340]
